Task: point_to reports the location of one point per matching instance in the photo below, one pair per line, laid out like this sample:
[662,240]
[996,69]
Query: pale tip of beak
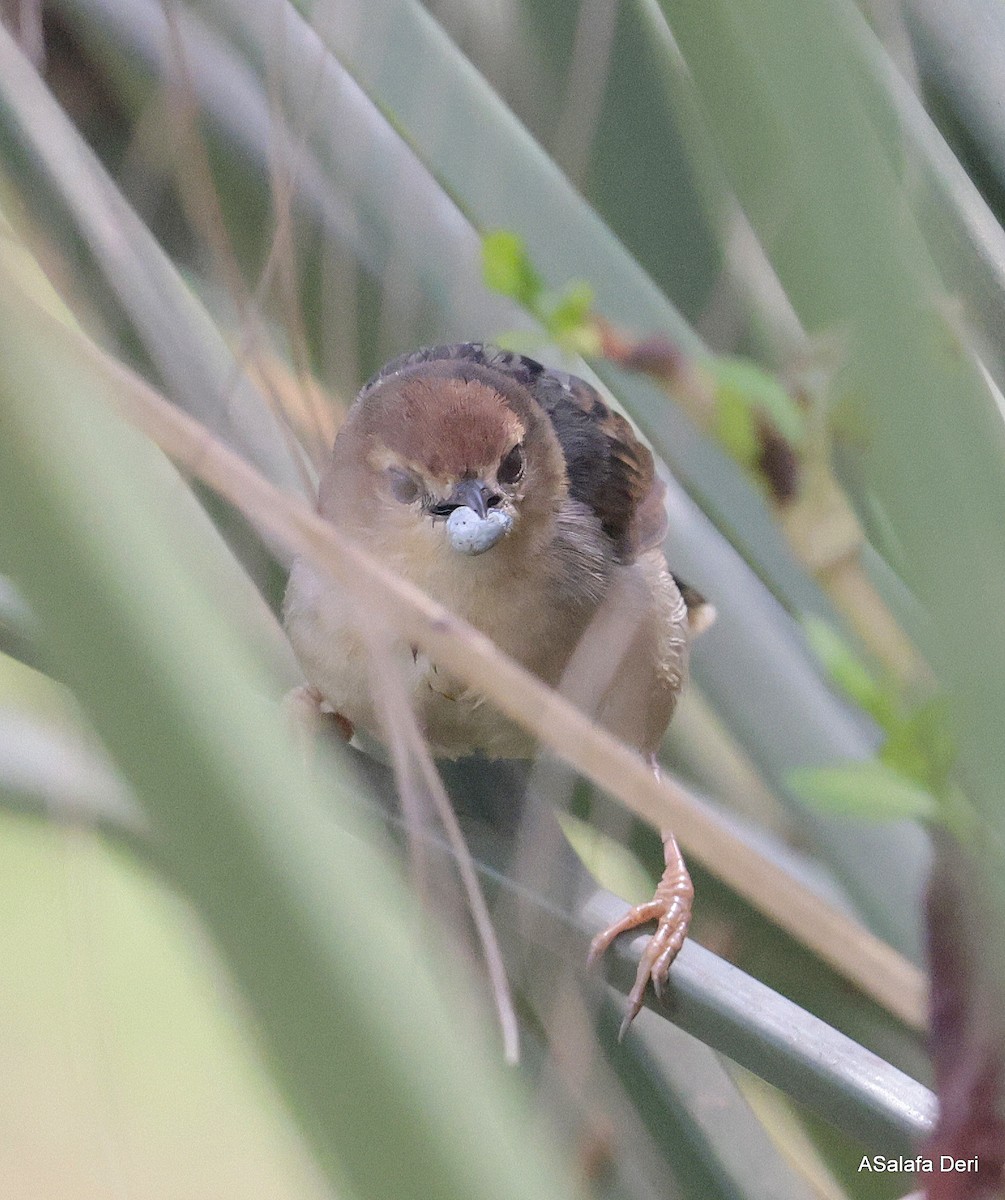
[471,534]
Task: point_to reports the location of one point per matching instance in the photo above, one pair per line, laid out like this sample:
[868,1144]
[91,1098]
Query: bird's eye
[405,488]
[511,467]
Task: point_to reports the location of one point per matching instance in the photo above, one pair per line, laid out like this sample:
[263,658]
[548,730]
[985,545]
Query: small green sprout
[739,383]
[911,776]
[566,317]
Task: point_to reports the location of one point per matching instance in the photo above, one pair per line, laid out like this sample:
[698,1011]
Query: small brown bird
[516,497]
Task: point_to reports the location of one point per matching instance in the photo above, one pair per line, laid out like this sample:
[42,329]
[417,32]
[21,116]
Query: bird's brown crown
[449,428]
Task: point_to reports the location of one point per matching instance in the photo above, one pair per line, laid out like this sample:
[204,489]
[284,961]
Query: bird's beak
[472,526]
[473,494]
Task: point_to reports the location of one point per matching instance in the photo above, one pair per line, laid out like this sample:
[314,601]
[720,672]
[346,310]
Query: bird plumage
[584,551]
[519,499]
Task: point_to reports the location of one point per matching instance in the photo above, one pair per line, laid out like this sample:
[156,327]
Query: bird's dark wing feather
[610,469]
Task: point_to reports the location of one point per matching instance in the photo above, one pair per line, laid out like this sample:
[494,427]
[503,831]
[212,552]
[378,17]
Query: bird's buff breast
[327,638]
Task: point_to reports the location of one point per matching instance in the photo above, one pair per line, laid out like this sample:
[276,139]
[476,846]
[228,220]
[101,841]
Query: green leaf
[584,340]
[734,425]
[866,790]
[506,268]
[921,746]
[850,674]
[902,753]
[761,392]
[572,310]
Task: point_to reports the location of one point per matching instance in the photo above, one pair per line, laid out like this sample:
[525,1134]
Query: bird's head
[450,450]
[452,453]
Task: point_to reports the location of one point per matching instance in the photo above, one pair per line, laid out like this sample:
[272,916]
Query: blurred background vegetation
[774,233]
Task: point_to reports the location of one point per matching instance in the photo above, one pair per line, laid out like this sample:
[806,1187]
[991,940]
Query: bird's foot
[671,909]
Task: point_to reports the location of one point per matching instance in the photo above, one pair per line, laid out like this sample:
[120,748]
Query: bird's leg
[670,907]
[307,718]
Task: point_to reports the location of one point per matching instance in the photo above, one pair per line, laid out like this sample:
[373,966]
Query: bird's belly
[336,660]
[458,721]
[455,720]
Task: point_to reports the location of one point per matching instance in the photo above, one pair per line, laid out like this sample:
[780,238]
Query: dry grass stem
[419,784]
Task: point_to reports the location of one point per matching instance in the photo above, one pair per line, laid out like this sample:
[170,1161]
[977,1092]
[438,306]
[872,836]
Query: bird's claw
[671,909]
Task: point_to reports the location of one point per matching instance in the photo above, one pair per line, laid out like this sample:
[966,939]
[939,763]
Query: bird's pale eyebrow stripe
[383,458]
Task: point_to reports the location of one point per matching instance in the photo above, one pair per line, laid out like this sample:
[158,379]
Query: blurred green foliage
[436,173]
